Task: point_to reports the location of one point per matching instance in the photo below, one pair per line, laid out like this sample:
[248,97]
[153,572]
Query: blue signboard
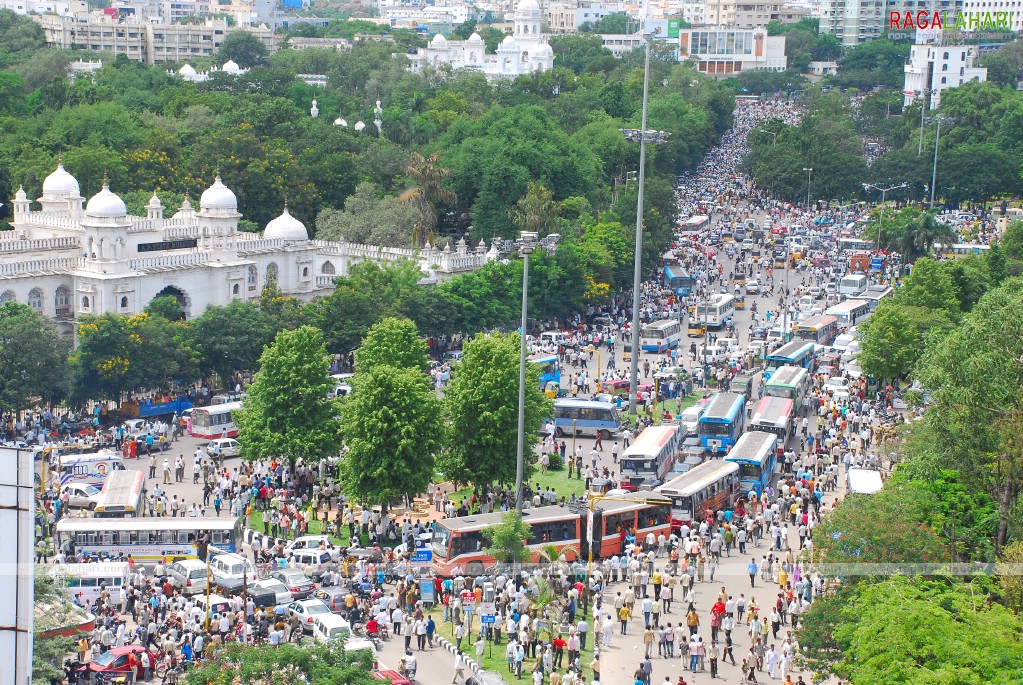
[876,263]
[421,556]
[487,620]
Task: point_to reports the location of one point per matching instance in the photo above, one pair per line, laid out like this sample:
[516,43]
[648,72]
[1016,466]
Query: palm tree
[920,235]
[428,176]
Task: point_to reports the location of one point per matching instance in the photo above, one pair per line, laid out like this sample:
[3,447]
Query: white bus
[851,312]
[147,540]
[660,336]
[86,581]
[210,423]
[702,491]
[852,285]
[91,468]
[652,455]
[586,417]
[716,310]
[875,293]
[122,495]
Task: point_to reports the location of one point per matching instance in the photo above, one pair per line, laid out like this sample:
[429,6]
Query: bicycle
[264,570]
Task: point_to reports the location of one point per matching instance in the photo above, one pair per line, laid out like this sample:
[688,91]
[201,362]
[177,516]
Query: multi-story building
[749,14]
[933,69]
[726,51]
[71,257]
[143,41]
[566,16]
[720,12]
[978,9]
[854,22]
[62,7]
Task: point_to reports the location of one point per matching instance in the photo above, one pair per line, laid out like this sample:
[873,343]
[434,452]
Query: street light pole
[637,275]
[880,218]
[934,172]
[923,108]
[808,170]
[527,245]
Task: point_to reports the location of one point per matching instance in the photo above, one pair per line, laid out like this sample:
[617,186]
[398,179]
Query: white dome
[475,39]
[60,183]
[21,194]
[340,122]
[508,42]
[187,70]
[286,227]
[154,202]
[218,196]
[439,40]
[105,204]
[231,67]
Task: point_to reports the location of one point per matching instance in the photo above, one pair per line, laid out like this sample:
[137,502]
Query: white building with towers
[68,257]
[524,52]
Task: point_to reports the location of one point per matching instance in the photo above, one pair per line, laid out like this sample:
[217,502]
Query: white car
[223,448]
[713,354]
[838,387]
[854,370]
[81,495]
[305,610]
[280,590]
[752,286]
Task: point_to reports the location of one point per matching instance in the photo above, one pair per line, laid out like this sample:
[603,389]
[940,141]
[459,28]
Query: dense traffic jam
[751,398]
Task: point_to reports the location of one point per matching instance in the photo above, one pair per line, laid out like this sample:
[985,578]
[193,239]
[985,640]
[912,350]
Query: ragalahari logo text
[960,21]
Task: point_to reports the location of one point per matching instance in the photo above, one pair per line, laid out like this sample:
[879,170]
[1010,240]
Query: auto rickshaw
[553,390]
[740,301]
[696,329]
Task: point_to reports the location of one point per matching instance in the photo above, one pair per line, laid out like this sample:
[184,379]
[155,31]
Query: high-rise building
[854,22]
[933,69]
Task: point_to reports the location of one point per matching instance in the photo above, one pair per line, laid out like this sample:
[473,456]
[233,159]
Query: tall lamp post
[880,218]
[934,172]
[637,273]
[923,108]
[527,244]
[808,170]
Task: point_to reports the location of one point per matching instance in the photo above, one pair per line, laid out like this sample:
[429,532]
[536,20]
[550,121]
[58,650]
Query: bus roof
[575,402]
[815,322]
[121,484]
[660,323]
[651,440]
[531,515]
[723,405]
[696,220]
[753,446]
[614,505]
[220,408]
[772,410]
[675,271]
[787,375]
[792,349]
[698,478]
[106,568]
[543,358]
[715,300]
[847,306]
[74,524]
[66,459]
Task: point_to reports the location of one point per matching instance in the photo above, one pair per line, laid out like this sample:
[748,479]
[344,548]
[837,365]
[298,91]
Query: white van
[552,338]
[91,468]
[218,606]
[231,566]
[329,628]
[88,580]
[311,542]
[689,420]
[312,561]
[188,576]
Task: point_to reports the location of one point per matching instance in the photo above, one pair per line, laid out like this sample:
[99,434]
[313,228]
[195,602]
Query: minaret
[154,210]
[22,205]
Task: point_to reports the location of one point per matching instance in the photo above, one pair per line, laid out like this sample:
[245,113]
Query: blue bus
[722,422]
[679,280]
[586,417]
[756,453]
[550,368]
[796,353]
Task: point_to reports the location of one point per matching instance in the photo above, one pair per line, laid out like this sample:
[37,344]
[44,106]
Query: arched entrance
[183,303]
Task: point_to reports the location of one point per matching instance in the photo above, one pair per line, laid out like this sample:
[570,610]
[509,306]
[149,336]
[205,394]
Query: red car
[392,677]
[116,661]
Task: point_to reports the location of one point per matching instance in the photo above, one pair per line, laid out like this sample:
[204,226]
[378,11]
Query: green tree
[482,408]
[231,338]
[34,356]
[254,664]
[54,613]
[429,177]
[617,23]
[286,412]
[393,342]
[997,266]
[166,306]
[370,219]
[929,285]
[535,211]
[891,344]
[245,48]
[391,424]
[1012,240]
[508,540]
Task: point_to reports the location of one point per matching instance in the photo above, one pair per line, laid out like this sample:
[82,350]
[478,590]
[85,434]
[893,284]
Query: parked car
[223,448]
[188,576]
[281,592]
[115,660]
[82,495]
[306,610]
[296,581]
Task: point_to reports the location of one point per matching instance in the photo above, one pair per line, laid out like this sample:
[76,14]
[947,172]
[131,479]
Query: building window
[946,56]
[85,303]
[253,277]
[8,296]
[328,269]
[271,273]
[235,289]
[305,272]
[35,299]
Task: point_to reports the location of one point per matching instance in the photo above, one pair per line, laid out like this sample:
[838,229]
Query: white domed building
[524,52]
[69,257]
